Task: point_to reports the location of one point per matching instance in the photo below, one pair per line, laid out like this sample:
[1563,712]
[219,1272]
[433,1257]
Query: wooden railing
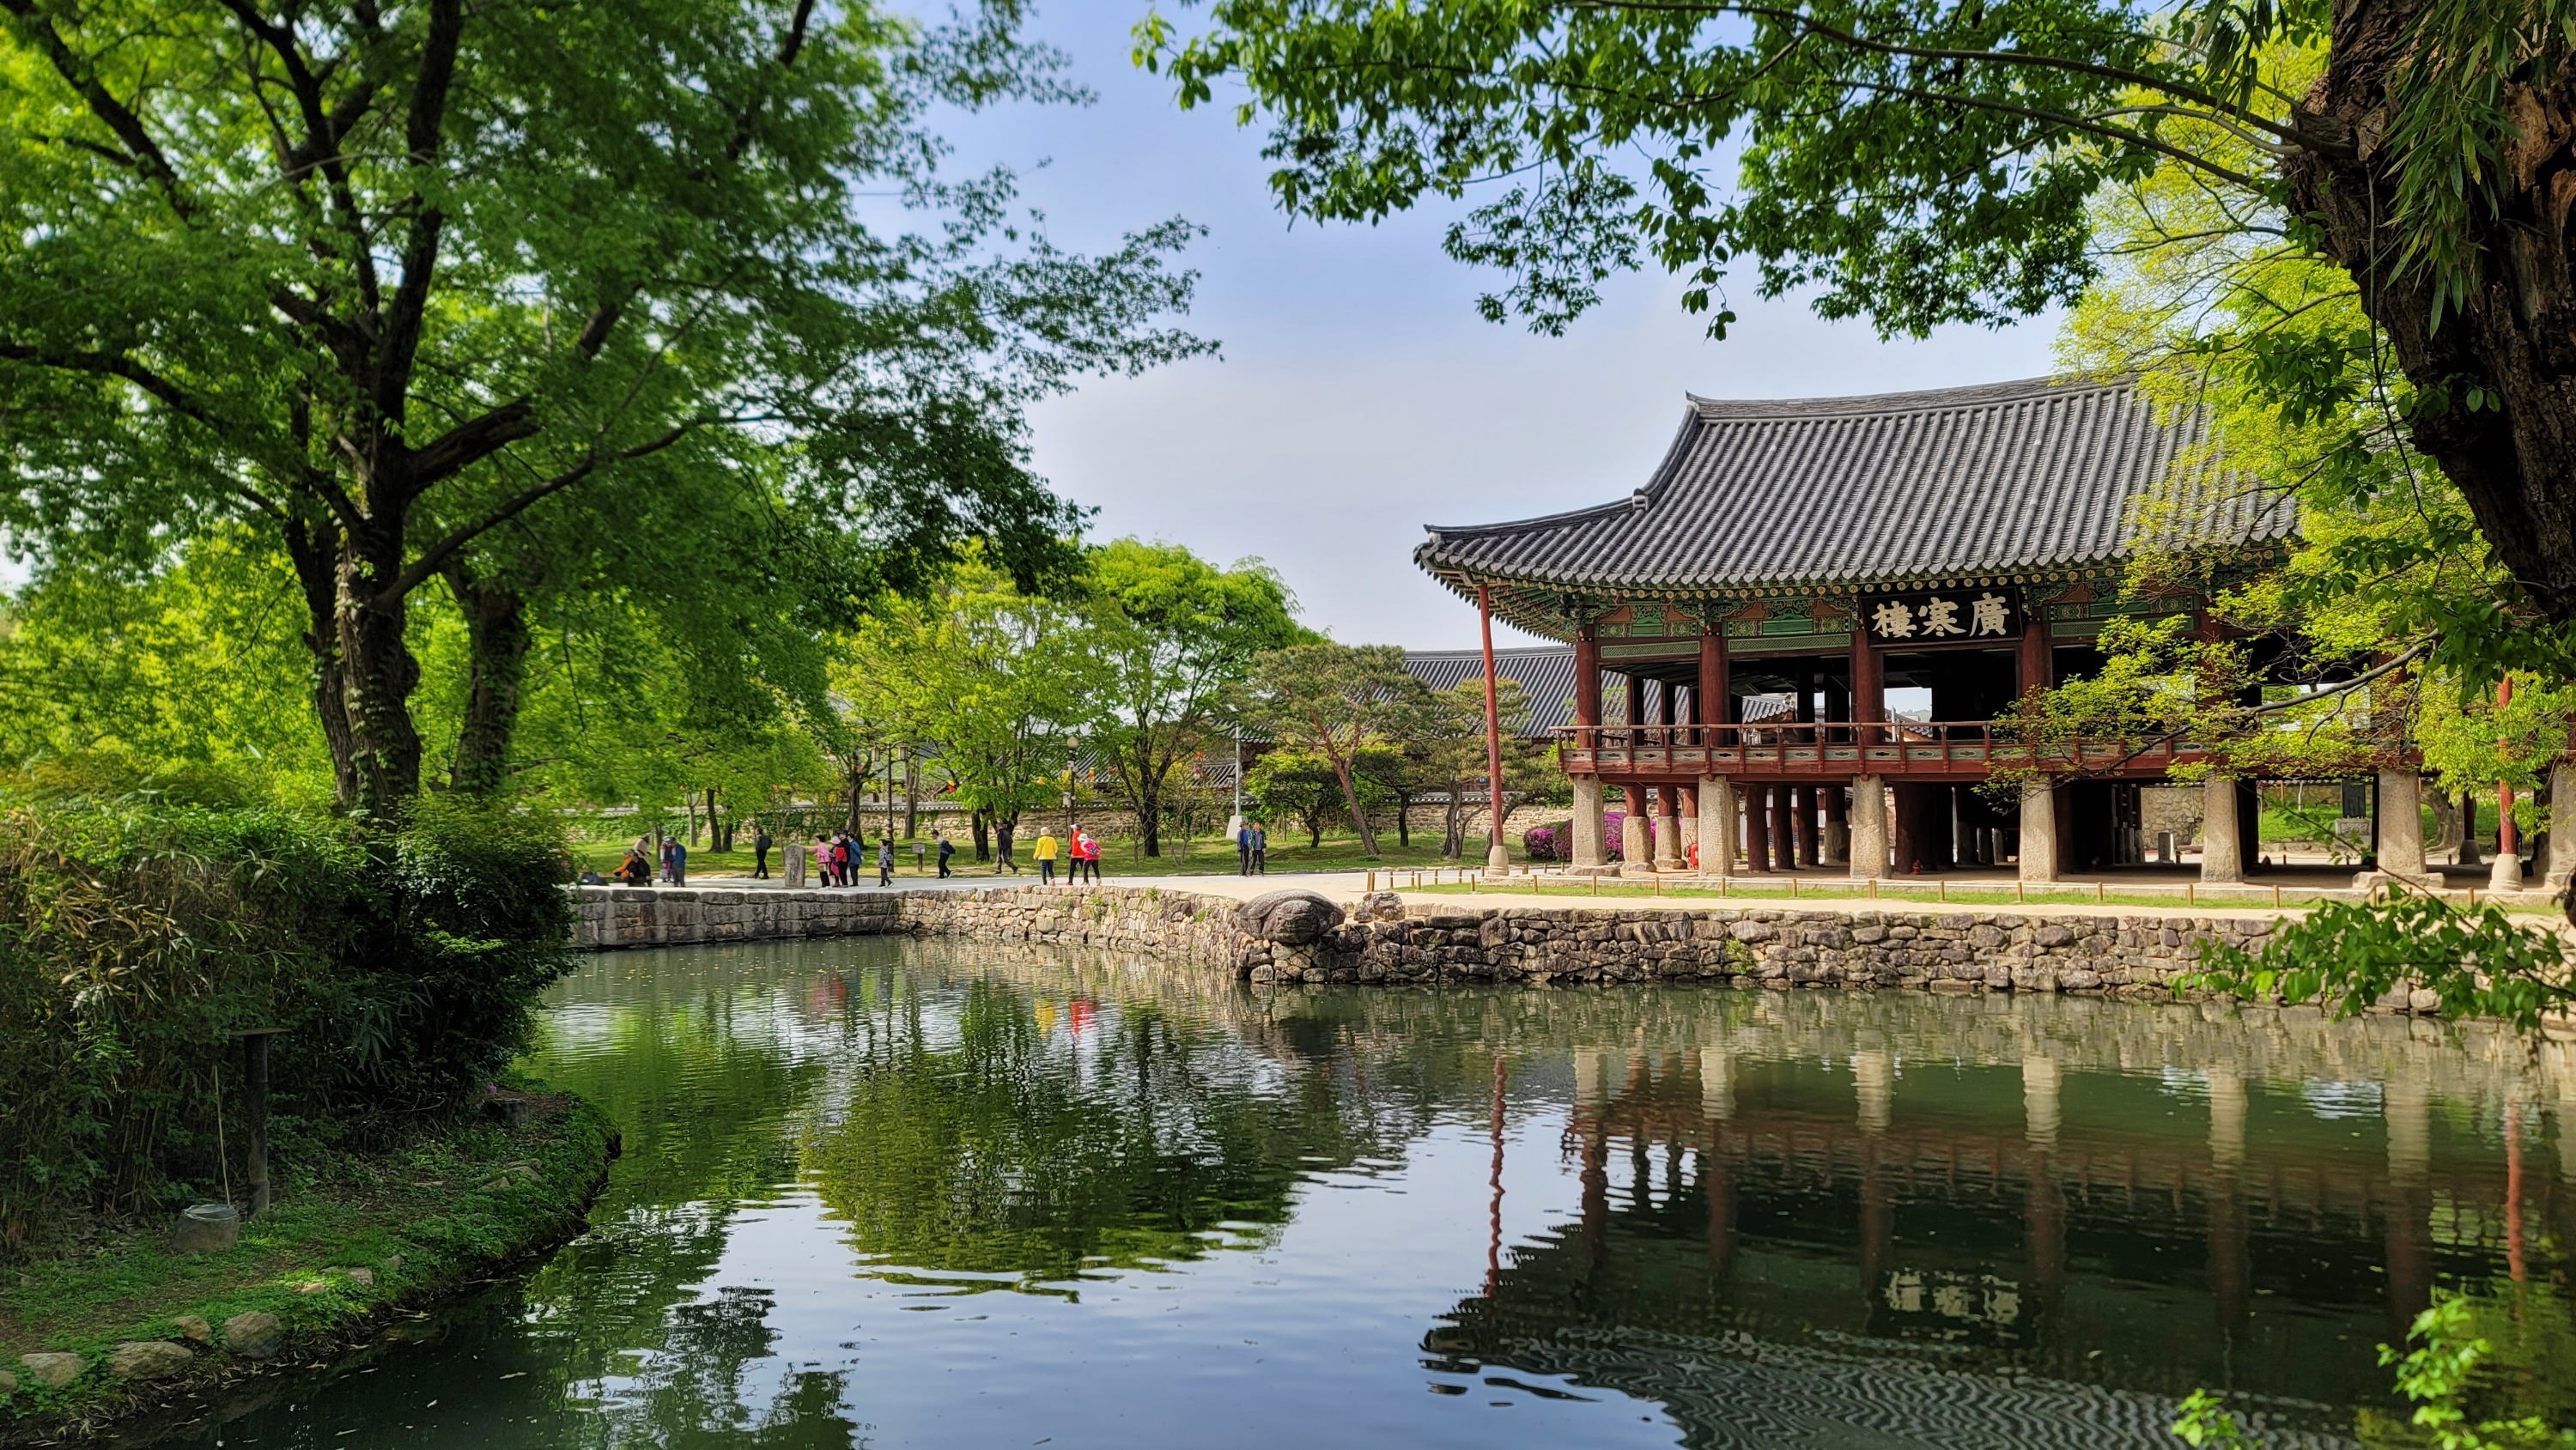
[1850,747]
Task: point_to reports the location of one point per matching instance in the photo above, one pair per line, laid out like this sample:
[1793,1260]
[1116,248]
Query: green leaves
[2349,956]
[1917,163]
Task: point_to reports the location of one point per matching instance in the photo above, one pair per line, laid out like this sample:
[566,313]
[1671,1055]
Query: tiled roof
[1546,674]
[2008,477]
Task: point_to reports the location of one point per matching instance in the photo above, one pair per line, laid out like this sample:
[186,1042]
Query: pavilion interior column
[1636,709]
[1668,828]
[2039,830]
[1636,844]
[1757,827]
[1868,827]
[2222,844]
[1717,826]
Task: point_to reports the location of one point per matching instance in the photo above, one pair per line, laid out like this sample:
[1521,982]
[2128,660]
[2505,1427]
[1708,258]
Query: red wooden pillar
[1636,709]
[1496,857]
[2035,663]
[1869,683]
[1784,832]
[1711,696]
[1587,679]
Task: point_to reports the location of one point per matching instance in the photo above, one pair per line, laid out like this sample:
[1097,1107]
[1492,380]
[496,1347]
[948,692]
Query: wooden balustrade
[1834,748]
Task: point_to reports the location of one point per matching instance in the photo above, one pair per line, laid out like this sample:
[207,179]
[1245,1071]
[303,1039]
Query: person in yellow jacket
[1046,851]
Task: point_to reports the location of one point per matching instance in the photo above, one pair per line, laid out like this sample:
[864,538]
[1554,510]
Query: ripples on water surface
[891,1193]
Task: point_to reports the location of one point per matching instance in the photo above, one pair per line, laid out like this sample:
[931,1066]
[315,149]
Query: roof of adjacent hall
[2002,478]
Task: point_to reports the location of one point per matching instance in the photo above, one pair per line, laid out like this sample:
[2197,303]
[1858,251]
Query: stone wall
[1385,941]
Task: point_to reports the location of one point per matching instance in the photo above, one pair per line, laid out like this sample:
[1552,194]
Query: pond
[894,1193]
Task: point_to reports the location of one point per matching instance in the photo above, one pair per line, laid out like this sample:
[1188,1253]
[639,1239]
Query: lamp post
[1072,743]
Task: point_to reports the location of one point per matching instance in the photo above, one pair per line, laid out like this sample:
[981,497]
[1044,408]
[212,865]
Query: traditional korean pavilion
[1958,547]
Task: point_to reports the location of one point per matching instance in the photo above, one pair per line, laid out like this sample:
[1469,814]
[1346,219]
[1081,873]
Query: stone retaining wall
[1384,941]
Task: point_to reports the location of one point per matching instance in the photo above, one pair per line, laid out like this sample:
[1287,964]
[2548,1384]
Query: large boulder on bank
[1292,917]
[53,1369]
[253,1335]
[147,1359]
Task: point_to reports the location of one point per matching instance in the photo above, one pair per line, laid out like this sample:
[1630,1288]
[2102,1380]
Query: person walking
[1260,849]
[1243,848]
[947,848]
[1086,855]
[885,860]
[760,844]
[1002,858]
[1046,849]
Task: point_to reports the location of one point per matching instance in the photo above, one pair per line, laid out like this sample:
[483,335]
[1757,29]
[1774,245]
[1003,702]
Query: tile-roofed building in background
[2039,481]
[1960,547]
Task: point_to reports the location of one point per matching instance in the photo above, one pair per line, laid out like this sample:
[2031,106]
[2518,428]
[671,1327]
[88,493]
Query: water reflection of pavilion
[1779,1256]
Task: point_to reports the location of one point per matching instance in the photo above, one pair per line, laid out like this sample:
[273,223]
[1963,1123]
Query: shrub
[1556,842]
[136,940]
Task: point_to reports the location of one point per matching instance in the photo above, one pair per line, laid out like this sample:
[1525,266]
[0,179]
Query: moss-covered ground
[351,1239]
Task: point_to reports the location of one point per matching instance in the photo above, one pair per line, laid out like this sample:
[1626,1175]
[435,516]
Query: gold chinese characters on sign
[1943,616]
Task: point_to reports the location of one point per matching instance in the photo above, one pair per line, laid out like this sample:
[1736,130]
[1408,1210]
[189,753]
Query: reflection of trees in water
[985,1135]
[2102,1174]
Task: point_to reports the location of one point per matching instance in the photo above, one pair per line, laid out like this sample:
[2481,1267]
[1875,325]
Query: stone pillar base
[1717,826]
[1868,827]
[2038,831]
[1590,847]
[2507,872]
[2222,849]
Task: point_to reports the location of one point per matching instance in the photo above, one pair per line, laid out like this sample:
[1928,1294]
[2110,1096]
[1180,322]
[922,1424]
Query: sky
[1358,396]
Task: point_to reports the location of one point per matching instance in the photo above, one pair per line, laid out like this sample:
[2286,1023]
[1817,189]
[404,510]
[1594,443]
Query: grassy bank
[352,1238]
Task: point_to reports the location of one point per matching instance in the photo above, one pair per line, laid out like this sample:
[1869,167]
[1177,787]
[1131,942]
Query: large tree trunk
[2513,336]
[381,674]
[496,648]
[318,575]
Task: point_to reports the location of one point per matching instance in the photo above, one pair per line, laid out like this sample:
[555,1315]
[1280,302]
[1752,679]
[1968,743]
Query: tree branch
[111,112]
[401,329]
[436,555]
[472,441]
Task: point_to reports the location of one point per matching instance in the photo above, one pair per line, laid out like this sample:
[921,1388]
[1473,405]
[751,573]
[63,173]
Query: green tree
[1174,633]
[1302,786]
[381,282]
[1335,701]
[1922,163]
[992,680]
